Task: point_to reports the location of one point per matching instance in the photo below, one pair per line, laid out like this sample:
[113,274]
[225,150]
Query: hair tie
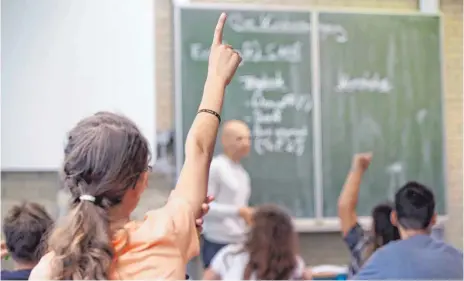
[86,197]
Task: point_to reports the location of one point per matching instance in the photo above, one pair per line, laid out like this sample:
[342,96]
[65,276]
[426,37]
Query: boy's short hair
[415,206]
[26,227]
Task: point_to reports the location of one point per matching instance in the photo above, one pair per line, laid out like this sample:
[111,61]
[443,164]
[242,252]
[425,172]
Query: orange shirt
[159,247]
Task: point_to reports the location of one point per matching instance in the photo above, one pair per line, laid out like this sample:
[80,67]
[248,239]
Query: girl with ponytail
[106,171]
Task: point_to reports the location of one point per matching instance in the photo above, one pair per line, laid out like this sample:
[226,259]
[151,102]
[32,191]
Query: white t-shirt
[230,263]
[229,183]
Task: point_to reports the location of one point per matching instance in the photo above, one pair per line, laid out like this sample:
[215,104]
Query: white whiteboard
[63,60]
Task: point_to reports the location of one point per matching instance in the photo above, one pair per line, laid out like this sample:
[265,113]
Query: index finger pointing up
[217,39]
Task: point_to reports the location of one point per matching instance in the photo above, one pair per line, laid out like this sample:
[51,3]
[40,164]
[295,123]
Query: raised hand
[361,161]
[223,59]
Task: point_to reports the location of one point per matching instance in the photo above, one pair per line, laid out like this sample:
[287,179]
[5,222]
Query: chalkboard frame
[319,223]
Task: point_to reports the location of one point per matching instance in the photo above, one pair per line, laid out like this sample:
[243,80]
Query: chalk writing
[367,83]
[263,82]
[254,51]
[266,23]
[288,140]
[267,114]
[297,101]
[338,31]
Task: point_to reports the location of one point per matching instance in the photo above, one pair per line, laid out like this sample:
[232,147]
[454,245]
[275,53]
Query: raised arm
[348,199]
[199,146]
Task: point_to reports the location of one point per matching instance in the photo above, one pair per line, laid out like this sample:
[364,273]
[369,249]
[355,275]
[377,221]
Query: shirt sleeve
[354,236]
[216,208]
[356,240]
[181,214]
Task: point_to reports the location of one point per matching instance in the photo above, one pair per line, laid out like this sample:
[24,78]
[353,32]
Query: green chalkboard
[271,92]
[381,91]
[378,88]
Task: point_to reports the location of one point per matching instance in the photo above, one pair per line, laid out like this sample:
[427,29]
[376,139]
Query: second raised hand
[223,59]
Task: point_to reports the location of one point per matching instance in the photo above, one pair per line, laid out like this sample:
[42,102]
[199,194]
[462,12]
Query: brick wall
[452,10]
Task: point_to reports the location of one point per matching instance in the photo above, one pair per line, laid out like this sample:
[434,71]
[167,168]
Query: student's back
[419,257]
[231,261]
[269,252]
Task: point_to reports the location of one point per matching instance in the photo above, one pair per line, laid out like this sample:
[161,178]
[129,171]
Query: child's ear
[394,218]
[433,221]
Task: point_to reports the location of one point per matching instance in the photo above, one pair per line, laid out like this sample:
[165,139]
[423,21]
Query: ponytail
[82,245]
[104,157]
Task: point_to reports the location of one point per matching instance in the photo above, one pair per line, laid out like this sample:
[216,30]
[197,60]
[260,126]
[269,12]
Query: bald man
[229,183]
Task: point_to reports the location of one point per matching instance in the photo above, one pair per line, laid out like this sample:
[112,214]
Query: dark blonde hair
[271,245]
[26,227]
[104,157]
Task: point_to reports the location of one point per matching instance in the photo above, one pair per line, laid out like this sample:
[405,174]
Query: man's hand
[361,161]
[204,211]
[247,214]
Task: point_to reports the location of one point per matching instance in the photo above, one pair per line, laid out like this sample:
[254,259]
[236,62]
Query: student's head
[236,139]
[271,245]
[106,158]
[383,230]
[414,209]
[26,227]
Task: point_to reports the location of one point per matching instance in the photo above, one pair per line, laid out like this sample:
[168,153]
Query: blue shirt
[16,274]
[419,257]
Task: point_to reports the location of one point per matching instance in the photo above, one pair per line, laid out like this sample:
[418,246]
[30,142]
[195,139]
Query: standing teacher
[229,183]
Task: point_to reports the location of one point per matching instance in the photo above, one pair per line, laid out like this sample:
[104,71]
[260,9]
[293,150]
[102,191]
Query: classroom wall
[318,248]
[64,60]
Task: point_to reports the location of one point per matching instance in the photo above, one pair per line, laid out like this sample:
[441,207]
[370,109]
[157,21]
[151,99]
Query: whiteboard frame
[318,223]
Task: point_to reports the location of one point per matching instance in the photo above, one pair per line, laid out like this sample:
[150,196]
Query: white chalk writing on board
[254,51]
[263,82]
[290,100]
[267,114]
[369,82]
[266,23]
[337,31]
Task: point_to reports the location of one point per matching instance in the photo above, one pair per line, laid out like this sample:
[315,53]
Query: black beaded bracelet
[211,112]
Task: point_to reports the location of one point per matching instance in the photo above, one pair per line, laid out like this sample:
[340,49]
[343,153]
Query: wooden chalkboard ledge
[333,224]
